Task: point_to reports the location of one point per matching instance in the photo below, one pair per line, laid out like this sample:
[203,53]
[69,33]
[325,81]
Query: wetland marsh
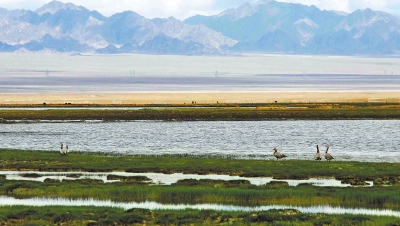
[184,201]
[177,143]
[173,171]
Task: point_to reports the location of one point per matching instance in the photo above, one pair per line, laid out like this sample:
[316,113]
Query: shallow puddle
[39,202]
[166,179]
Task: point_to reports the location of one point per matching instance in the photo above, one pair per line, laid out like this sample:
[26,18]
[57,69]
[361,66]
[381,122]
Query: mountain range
[264,27]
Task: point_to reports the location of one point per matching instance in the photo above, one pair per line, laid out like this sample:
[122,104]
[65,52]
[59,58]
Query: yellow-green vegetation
[291,169]
[208,192]
[310,111]
[205,191]
[113,216]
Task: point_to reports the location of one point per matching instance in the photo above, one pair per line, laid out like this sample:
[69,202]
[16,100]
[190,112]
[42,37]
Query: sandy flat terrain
[156,79]
[198,97]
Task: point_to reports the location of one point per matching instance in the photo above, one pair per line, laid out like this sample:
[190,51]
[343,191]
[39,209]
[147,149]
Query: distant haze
[182,9]
[36,73]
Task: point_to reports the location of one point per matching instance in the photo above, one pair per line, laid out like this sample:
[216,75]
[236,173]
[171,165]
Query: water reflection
[39,202]
[166,179]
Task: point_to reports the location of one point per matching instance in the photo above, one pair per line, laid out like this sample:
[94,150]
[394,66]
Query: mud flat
[143,98]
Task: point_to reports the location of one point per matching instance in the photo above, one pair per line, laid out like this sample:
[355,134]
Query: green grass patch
[209,191]
[113,216]
[239,192]
[247,112]
[291,169]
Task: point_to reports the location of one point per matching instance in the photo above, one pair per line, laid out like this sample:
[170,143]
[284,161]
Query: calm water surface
[358,140]
[9,201]
[166,179]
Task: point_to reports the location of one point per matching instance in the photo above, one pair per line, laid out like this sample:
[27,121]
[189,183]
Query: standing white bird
[318,155]
[278,155]
[66,149]
[328,156]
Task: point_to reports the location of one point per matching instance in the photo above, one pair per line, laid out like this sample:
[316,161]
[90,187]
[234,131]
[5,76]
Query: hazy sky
[182,9]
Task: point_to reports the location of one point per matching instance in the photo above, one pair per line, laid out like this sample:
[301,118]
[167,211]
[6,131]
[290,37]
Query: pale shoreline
[210,97]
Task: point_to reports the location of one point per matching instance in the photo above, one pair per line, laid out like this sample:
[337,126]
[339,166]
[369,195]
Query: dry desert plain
[153,79]
[144,98]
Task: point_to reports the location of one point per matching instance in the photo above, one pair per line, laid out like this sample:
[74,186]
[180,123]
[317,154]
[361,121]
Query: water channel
[164,179]
[40,202]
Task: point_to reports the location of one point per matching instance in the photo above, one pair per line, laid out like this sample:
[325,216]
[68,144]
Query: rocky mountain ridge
[264,27]
[273,26]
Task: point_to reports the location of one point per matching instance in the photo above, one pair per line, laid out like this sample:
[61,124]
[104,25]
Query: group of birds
[277,154]
[318,155]
[62,150]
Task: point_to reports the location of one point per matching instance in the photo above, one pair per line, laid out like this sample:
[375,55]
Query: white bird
[66,149]
[318,155]
[328,156]
[278,155]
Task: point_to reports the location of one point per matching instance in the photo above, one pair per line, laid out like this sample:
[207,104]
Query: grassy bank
[110,216]
[292,169]
[239,112]
[208,192]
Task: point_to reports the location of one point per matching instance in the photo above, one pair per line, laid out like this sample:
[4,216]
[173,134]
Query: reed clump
[83,181]
[212,183]
[75,175]
[48,180]
[128,178]
[31,175]
[277,184]
[393,180]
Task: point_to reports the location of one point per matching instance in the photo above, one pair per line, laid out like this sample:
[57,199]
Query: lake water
[349,140]
[9,201]
[35,73]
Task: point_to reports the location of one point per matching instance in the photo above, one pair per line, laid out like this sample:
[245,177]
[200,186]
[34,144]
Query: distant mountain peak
[244,10]
[340,13]
[55,6]
[262,2]
[127,14]
[368,10]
